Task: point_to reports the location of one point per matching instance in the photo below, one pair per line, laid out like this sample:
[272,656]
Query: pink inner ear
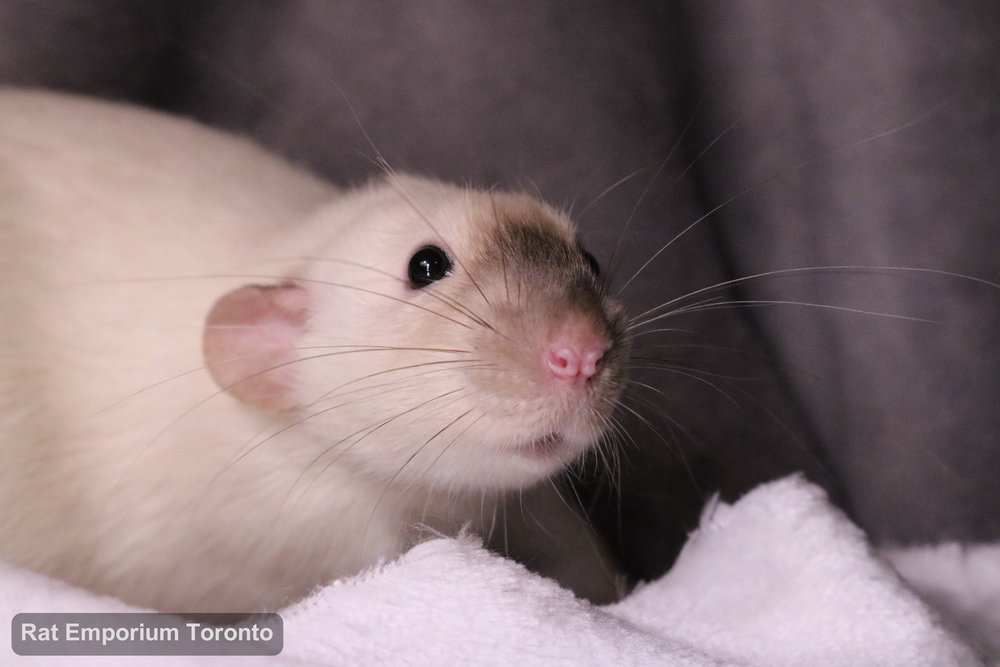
[249,344]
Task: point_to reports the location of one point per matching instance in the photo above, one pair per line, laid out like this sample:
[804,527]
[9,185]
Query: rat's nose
[574,352]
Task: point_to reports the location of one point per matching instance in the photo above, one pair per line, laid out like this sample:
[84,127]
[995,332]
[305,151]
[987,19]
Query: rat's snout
[574,351]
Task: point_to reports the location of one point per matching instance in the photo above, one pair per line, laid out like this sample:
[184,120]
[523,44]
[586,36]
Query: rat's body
[343,406]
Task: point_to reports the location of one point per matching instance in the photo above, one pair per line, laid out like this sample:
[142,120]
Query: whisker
[815,270]
[656,432]
[708,147]
[451,303]
[366,431]
[349,349]
[764,181]
[879,135]
[444,366]
[633,335]
[253,443]
[751,303]
[665,365]
[453,440]
[611,188]
[691,374]
[691,226]
[391,481]
[249,276]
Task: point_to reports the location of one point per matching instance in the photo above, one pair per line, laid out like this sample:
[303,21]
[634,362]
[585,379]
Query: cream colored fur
[124,468]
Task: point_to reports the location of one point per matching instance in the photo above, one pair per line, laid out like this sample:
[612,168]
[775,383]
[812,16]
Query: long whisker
[680,368]
[457,437]
[902,270]
[346,349]
[751,303]
[391,481]
[694,224]
[250,276]
[363,433]
[443,366]
[218,392]
[448,301]
[608,190]
[655,431]
[764,181]
[934,110]
[249,448]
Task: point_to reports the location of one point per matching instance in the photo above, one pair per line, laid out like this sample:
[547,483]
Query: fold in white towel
[778,578]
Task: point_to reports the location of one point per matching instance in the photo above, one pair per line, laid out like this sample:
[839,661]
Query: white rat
[224,382]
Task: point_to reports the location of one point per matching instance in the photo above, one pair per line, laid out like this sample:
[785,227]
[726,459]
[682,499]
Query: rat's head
[441,336]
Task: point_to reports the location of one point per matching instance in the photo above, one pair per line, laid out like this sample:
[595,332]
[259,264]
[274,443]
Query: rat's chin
[550,447]
[544,455]
[517,464]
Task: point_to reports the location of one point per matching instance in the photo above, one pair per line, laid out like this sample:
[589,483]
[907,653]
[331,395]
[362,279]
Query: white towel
[778,578]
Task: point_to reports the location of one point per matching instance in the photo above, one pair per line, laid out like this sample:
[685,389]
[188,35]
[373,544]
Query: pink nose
[575,353]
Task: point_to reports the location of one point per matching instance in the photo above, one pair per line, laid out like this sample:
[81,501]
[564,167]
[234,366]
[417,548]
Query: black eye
[592,263]
[428,265]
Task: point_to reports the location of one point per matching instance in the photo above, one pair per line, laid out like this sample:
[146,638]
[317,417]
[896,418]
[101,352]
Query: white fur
[123,468]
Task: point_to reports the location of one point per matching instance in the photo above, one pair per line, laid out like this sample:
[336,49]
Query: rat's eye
[592,263]
[428,265]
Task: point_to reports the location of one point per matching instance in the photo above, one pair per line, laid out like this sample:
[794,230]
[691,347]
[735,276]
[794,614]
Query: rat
[225,381]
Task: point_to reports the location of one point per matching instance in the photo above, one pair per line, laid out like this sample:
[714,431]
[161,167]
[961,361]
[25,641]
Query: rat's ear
[249,343]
